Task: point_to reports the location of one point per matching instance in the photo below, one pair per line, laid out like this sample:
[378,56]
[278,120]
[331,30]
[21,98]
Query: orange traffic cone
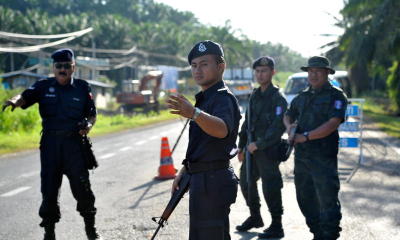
[166,169]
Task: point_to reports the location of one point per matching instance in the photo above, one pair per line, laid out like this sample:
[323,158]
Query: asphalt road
[127,196]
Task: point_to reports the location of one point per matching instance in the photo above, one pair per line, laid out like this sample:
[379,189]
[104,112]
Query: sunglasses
[63,65]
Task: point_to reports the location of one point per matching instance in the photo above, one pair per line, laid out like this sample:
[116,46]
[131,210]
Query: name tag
[50,95]
[76,99]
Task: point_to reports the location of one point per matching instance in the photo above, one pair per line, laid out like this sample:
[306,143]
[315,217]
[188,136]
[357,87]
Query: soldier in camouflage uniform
[318,110]
[267,108]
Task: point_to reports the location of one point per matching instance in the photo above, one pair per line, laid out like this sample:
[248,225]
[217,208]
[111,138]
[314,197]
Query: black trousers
[59,155]
[317,188]
[271,178]
[211,195]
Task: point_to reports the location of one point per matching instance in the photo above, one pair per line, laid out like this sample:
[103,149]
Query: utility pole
[94,77]
[12,62]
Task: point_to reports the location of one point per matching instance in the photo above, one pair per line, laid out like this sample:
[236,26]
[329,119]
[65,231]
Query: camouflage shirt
[266,113]
[312,108]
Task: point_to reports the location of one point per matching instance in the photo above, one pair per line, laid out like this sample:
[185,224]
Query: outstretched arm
[14,102]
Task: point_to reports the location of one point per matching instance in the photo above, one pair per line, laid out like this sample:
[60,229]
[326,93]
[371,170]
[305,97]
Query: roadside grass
[14,141]
[280,78]
[378,109]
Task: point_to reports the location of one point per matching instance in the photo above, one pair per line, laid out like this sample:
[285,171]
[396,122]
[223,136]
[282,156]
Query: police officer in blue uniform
[318,111]
[212,136]
[64,104]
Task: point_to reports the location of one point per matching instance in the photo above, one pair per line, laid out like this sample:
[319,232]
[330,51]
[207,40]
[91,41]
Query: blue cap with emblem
[205,48]
[63,55]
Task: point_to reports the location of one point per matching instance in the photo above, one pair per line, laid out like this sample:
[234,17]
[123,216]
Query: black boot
[49,233]
[254,221]
[90,228]
[275,230]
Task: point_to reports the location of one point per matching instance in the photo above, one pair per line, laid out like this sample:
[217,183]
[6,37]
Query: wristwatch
[306,134]
[196,113]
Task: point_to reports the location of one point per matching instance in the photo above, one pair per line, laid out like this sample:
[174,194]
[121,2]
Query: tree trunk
[359,78]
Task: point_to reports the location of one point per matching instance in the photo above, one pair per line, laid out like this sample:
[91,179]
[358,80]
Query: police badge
[263,61]
[202,47]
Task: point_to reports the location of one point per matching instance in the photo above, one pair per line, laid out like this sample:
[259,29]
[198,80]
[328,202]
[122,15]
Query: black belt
[197,167]
[67,133]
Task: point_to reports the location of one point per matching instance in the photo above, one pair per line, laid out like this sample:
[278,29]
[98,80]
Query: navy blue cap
[264,61]
[205,48]
[63,55]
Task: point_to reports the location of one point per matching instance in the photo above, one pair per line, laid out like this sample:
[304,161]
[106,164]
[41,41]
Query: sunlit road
[127,196]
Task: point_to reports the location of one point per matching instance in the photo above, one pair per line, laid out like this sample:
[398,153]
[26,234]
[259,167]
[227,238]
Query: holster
[90,158]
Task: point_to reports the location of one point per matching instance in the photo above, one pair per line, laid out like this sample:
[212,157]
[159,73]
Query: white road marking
[153,137]
[125,149]
[140,142]
[15,192]
[107,156]
[29,174]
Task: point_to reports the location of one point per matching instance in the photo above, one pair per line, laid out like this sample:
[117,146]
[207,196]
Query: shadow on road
[147,187]
[374,194]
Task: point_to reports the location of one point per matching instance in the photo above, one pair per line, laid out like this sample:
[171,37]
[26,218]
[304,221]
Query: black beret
[63,55]
[205,48]
[264,61]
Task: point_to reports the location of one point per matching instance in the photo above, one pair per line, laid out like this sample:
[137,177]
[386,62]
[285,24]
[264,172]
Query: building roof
[29,74]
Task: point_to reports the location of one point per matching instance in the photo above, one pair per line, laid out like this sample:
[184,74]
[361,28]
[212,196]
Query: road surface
[127,196]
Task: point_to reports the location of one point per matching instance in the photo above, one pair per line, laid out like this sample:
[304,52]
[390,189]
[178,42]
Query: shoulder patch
[278,110]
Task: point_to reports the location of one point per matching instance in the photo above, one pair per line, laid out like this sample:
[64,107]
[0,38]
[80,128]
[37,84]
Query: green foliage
[393,83]
[370,43]
[280,78]
[376,109]
[123,24]
[19,120]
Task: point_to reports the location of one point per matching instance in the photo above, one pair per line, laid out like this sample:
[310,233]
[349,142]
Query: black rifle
[248,154]
[292,133]
[173,202]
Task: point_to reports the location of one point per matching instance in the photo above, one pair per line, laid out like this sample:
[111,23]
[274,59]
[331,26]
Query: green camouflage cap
[318,62]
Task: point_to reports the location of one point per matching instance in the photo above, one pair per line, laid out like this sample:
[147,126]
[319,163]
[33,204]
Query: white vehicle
[298,82]
[343,78]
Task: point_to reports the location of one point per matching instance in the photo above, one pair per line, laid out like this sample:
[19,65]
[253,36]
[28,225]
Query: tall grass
[20,130]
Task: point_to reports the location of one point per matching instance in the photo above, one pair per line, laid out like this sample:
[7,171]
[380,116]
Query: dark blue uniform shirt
[217,101]
[61,107]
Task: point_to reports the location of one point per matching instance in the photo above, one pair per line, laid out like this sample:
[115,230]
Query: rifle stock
[173,202]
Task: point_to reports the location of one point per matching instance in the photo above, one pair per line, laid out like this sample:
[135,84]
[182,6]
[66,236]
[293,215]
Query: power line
[35,48]
[64,35]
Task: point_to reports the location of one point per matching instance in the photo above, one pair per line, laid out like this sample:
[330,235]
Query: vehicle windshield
[295,85]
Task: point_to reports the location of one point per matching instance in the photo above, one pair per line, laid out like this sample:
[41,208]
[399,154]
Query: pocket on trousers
[228,194]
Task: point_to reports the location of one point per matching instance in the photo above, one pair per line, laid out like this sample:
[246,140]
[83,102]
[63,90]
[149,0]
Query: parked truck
[240,82]
[141,95]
